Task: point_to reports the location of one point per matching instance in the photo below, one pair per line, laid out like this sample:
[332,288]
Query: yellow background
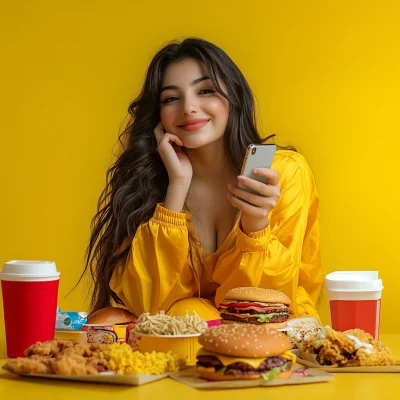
[325,74]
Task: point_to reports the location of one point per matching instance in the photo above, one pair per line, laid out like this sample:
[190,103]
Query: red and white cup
[355,300]
[30,291]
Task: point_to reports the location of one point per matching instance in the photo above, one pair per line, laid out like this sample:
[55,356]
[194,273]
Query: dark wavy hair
[138,179]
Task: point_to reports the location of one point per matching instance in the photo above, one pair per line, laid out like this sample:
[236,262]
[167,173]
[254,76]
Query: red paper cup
[30,290]
[355,300]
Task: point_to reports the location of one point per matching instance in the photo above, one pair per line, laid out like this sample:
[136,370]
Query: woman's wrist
[176,196]
[255,226]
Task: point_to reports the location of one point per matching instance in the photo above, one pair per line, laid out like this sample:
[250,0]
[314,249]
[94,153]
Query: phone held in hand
[257,156]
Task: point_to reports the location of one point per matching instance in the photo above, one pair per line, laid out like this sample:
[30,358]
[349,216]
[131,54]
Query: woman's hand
[256,207]
[175,160]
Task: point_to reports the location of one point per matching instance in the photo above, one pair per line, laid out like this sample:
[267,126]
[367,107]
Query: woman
[173,230]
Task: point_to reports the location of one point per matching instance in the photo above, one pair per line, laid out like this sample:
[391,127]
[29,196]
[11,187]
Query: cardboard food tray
[310,360]
[102,377]
[300,376]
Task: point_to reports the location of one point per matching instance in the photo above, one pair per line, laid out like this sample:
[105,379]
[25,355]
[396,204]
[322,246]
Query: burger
[257,306]
[111,316]
[244,352]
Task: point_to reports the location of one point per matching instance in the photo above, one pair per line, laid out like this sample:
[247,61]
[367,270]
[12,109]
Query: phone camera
[253,151]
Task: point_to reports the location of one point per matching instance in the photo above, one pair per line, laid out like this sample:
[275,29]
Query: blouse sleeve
[156,272]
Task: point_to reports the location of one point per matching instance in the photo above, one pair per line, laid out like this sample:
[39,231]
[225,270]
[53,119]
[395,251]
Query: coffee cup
[355,300]
[30,290]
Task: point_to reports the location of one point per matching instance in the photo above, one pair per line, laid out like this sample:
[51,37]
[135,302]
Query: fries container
[184,346]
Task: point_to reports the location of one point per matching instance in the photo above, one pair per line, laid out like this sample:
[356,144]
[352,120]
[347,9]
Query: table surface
[345,386]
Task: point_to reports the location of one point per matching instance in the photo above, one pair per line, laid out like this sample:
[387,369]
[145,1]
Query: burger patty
[268,311]
[254,320]
[240,368]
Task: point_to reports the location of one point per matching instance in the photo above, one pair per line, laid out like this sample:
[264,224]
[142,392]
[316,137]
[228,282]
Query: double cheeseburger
[242,352]
[257,306]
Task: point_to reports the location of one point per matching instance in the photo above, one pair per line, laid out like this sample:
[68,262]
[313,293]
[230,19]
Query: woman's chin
[198,142]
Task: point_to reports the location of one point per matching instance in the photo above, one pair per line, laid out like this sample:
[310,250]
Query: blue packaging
[70,320]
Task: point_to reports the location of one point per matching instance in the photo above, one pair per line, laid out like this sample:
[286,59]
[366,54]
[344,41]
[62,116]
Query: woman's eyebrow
[195,82]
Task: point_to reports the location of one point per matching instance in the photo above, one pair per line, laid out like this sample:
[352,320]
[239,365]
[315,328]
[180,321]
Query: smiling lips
[193,124]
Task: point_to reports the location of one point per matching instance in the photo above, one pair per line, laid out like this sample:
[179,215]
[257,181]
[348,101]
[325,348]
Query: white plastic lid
[353,281]
[29,270]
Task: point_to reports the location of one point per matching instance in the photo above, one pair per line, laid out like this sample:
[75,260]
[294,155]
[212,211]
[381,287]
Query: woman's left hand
[256,207]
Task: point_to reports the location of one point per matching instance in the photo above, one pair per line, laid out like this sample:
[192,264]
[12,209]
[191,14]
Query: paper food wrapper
[310,360]
[102,377]
[300,376]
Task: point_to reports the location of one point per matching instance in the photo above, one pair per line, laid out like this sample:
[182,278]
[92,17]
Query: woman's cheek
[218,108]
[167,120]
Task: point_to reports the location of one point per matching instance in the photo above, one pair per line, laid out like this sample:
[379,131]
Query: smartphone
[257,156]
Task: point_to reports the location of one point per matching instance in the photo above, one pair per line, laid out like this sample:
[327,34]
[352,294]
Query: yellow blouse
[284,256]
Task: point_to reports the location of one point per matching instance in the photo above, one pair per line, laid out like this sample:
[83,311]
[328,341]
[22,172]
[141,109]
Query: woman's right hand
[175,160]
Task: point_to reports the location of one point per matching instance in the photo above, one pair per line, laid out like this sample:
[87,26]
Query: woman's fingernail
[241,178]
[255,171]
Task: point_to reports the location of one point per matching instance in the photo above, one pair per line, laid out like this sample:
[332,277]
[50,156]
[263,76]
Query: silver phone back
[257,156]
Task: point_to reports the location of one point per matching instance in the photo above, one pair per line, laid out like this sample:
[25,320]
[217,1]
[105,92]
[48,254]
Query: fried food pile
[66,357]
[303,328]
[352,348]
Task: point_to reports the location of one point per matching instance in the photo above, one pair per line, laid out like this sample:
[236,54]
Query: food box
[108,334]
[102,377]
[309,360]
[299,376]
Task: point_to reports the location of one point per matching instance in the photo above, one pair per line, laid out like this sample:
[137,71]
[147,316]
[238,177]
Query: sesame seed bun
[217,376]
[244,340]
[270,325]
[111,316]
[257,294]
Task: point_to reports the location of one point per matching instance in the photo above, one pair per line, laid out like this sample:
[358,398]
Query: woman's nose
[190,106]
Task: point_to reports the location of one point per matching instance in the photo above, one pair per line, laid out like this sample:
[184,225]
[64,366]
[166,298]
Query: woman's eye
[168,100]
[207,91]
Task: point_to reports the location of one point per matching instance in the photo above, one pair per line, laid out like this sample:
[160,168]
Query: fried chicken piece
[49,348]
[74,364]
[63,357]
[37,365]
[86,350]
[352,348]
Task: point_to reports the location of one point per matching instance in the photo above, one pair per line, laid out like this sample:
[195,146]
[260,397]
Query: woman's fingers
[271,174]
[262,188]
[159,132]
[256,204]
[266,202]
[247,208]
[163,138]
[263,192]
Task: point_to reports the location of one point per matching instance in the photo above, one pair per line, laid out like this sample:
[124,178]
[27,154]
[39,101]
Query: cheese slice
[253,362]
[289,356]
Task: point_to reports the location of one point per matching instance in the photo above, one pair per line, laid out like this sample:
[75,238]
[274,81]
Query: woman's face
[191,108]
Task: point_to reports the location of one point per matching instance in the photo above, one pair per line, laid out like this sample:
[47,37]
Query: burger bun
[244,340]
[257,294]
[111,316]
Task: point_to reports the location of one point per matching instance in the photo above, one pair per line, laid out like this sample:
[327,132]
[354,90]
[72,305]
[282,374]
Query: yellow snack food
[123,360]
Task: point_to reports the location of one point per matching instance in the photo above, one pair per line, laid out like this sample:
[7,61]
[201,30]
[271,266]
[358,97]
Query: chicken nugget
[49,348]
[22,365]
